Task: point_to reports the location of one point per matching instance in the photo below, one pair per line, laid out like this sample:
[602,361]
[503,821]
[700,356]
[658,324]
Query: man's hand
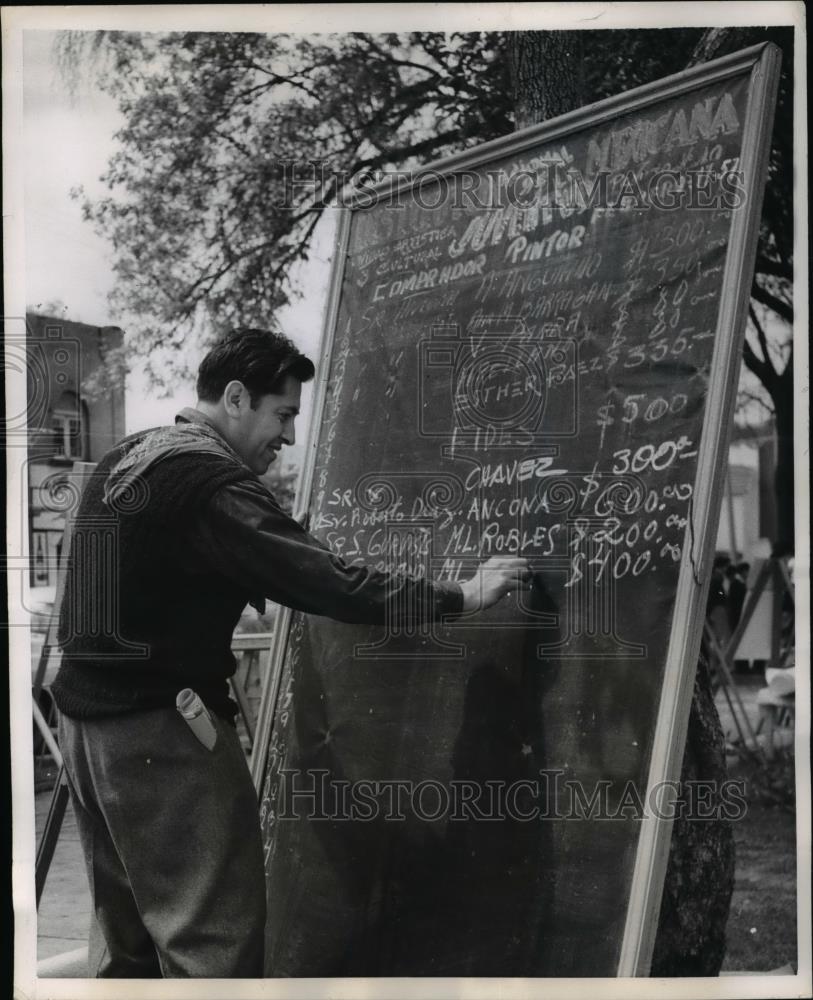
[494,579]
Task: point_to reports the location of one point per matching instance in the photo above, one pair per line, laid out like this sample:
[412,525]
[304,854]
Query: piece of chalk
[197,717]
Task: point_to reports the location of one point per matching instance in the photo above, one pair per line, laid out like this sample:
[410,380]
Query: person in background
[737,588]
[717,602]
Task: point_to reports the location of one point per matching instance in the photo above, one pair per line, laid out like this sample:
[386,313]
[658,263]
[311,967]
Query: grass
[761,932]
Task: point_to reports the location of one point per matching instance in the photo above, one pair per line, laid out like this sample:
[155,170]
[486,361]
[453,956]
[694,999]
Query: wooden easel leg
[786,579]
[748,612]
[59,799]
[50,835]
[729,685]
[724,684]
[734,716]
[42,667]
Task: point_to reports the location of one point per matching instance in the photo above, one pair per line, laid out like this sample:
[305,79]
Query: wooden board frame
[761,64]
[282,622]
[701,532]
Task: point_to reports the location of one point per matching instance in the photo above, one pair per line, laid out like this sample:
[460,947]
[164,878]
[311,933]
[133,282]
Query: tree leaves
[234,143]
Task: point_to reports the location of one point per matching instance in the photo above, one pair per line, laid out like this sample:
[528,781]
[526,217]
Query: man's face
[259,434]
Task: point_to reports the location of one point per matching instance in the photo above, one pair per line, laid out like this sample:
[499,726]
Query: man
[174,535]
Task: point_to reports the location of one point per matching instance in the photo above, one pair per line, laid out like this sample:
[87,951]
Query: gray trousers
[171,837]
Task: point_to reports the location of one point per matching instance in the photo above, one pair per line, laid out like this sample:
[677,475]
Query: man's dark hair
[260,359]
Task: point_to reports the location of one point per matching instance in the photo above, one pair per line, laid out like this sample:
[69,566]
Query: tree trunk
[718,41]
[784,477]
[546,73]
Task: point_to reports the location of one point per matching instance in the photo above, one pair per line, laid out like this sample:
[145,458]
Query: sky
[68,139]
[67,143]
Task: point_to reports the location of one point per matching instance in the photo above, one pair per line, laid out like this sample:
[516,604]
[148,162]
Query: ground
[761,933]
[762,923]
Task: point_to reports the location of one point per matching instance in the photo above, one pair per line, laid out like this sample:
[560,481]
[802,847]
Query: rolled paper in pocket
[197,717]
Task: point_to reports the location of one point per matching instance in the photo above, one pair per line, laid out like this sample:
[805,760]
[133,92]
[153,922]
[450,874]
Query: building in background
[65,425]
[748,515]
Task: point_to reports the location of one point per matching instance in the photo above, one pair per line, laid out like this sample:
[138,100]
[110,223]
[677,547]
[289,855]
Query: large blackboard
[531,350]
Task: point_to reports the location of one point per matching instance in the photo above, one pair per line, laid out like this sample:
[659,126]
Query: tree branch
[763,342]
[396,154]
[392,60]
[766,298]
[753,363]
[775,268]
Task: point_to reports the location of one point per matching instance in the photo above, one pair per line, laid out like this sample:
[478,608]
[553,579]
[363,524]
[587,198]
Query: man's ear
[235,397]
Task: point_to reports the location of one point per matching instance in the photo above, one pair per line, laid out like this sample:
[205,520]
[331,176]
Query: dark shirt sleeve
[244,534]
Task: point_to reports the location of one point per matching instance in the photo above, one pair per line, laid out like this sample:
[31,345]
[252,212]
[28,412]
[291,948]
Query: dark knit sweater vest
[140,619]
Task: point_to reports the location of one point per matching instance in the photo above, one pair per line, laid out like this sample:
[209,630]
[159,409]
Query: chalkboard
[519,360]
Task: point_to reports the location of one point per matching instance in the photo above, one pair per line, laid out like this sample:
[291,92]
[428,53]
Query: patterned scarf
[191,433]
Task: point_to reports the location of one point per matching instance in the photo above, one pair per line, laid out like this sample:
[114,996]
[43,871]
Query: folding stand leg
[59,799]
[729,690]
[50,835]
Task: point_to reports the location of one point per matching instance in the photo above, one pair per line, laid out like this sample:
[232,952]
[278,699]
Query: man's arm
[244,534]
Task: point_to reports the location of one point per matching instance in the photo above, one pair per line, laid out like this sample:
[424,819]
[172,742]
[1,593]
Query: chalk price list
[684,280]
[676,267]
[651,313]
[619,547]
